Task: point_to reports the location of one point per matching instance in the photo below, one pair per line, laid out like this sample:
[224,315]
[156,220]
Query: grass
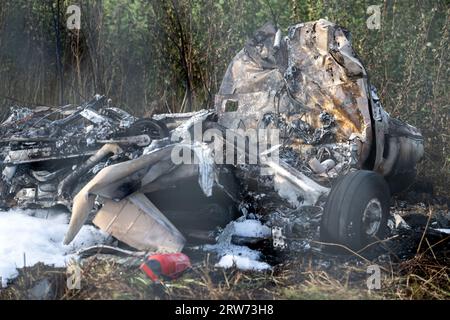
[421,277]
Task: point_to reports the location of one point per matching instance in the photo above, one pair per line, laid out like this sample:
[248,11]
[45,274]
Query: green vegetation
[159,56]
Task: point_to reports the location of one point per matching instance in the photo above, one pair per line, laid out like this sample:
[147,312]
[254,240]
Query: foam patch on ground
[37,236]
[243,263]
[241,257]
[251,228]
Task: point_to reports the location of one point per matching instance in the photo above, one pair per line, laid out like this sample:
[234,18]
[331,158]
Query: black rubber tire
[342,219]
[154,128]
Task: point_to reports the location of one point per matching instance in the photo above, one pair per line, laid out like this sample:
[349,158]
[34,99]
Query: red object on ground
[166,266]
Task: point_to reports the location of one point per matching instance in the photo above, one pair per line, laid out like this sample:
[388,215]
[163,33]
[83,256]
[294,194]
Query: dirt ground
[414,264]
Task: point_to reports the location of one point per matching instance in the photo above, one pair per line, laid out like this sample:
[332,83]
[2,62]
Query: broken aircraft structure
[340,154]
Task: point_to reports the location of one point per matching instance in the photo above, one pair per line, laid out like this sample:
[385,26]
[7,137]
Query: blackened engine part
[402,150]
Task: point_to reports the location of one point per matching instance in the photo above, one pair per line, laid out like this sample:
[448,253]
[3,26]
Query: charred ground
[414,265]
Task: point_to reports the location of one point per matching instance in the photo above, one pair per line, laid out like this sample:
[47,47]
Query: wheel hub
[372,217]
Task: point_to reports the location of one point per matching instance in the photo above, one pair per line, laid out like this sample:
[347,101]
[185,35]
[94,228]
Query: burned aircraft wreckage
[340,155]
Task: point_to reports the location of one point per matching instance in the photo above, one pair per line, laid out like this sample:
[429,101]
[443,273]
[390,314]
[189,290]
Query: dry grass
[424,275]
[419,278]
